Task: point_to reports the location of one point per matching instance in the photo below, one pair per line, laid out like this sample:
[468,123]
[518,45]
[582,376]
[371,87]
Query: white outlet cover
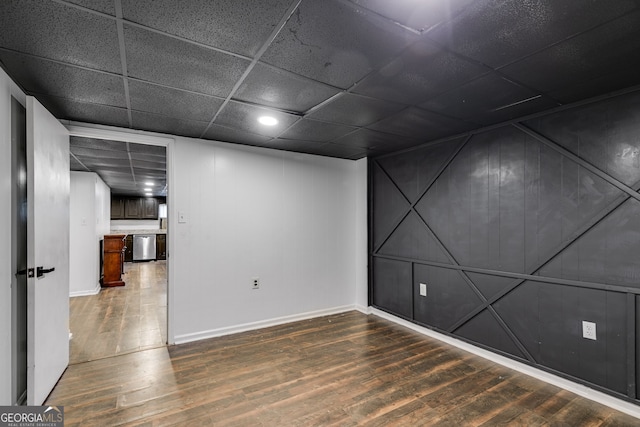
[588,330]
[423,289]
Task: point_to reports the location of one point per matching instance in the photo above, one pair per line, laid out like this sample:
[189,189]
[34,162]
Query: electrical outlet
[255,283]
[588,330]
[423,289]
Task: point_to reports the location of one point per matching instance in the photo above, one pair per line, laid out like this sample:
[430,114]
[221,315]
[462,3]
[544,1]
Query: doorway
[135,317]
[19,252]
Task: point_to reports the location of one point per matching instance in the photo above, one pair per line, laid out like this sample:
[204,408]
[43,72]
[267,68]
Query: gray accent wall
[520,233]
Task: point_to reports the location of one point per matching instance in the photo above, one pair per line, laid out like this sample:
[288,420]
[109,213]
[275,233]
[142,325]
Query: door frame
[140,137]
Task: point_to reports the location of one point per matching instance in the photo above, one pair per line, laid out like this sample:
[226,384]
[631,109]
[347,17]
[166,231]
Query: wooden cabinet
[149,208]
[161,246]
[113,258]
[117,208]
[128,248]
[134,207]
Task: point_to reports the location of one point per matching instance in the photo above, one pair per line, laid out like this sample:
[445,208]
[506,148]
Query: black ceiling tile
[487,100]
[67,109]
[296,145]
[155,150]
[351,109]
[105,6]
[419,15]
[421,124]
[369,139]
[165,60]
[77,142]
[40,76]
[172,102]
[56,31]
[423,70]
[336,42]
[280,89]
[148,166]
[342,151]
[603,51]
[498,32]
[240,26]
[164,124]
[313,130]
[228,134]
[606,83]
[84,152]
[245,117]
[74,165]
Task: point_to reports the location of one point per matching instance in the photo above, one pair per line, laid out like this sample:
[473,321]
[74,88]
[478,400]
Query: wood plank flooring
[121,319]
[343,370]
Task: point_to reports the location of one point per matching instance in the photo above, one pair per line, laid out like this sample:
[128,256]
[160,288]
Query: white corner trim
[579,389]
[196,336]
[362,309]
[94,291]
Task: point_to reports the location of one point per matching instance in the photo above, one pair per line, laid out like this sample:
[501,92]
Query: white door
[47,247]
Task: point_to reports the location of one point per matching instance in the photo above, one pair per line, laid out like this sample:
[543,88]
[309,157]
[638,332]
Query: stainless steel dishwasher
[144,247]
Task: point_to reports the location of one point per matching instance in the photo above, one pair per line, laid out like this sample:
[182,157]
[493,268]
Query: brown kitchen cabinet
[161,246]
[123,207]
[113,258]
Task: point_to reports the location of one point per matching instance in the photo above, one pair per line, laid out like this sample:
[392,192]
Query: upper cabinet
[134,207]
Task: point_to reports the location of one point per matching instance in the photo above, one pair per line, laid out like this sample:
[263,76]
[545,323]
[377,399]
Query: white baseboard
[579,389]
[94,291]
[363,309]
[196,336]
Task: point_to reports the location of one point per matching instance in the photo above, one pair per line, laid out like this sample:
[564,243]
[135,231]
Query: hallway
[124,319]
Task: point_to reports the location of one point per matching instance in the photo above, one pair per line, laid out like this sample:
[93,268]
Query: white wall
[289,219]
[89,222]
[362,248]
[7,89]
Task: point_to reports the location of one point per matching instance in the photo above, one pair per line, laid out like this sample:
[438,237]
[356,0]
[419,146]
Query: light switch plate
[423,289]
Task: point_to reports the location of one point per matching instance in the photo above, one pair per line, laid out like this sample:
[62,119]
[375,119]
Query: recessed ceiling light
[149,183]
[147,189]
[268,120]
[148,194]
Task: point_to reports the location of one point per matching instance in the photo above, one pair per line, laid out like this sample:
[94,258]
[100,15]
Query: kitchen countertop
[159,231]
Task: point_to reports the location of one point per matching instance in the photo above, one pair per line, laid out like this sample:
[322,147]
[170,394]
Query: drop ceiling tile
[169,125]
[74,165]
[336,42]
[82,152]
[172,102]
[313,130]
[421,124]
[419,15]
[295,145]
[77,142]
[423,70]
[280,89]
[40,76]
[343,151]
[60,32]
[245,118]
[240,26]
[356,110]
[148,157]
[148,166]
[487,100]
[498,32]
[156,150]
[228,134]
[602,84]
[370,139]
[105,6]
[67,109]
[603,51]
[160,59]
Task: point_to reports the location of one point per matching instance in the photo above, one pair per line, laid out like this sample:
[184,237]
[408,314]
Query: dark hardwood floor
[343,370]
[121,319]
